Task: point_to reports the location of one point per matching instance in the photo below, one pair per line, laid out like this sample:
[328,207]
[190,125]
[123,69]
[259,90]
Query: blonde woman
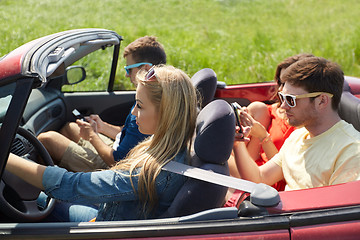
[135,188]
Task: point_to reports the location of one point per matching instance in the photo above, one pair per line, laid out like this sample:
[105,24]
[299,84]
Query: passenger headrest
[346,87]
[349,109]
[215,130]
[205,81]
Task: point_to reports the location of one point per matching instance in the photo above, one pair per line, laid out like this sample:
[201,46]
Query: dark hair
[146,49]
[282,66]
[286,63]
[317,74]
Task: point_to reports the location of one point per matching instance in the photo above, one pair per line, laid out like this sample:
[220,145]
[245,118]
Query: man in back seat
[325,150]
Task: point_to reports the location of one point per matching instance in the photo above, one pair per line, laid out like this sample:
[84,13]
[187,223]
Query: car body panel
[341,230]
[319,198]
[249,92]
[263,92]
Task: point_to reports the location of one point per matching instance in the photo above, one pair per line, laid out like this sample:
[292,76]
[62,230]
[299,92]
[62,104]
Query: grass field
[242,40]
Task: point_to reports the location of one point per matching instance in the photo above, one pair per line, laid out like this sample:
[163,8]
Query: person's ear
[323,101]
[147,67]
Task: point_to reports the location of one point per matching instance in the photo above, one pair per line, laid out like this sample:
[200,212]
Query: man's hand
[87,129]
[242,136]
[99,122]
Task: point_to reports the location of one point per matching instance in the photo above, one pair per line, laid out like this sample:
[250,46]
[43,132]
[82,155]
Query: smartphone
[236,107]
[78,115]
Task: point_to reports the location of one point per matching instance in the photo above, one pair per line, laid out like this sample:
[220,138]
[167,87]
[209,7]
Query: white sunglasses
[291,99]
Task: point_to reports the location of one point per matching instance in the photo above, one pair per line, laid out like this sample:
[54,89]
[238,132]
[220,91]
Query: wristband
[265,139]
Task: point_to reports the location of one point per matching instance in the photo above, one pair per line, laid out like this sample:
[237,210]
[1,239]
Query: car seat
[205,81]
[349,107]
[215,130]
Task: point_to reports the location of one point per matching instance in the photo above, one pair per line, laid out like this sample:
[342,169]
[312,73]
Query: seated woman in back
[137,187]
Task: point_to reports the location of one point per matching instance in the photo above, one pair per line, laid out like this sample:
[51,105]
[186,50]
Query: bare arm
[269,173]
[30,172]
[245,164]
[105,151]
[259,134]
[269,147]
[258,112]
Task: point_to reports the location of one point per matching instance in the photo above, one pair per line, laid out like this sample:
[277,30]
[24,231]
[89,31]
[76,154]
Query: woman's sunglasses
[129,67]
[291,99]
[151,75]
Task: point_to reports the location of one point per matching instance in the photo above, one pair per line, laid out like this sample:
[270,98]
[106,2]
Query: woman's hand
[256,128]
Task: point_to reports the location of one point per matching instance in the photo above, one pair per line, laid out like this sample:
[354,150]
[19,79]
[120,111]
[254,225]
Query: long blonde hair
[175,98]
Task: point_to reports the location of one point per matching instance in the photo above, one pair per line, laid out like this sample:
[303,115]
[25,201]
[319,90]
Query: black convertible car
[38,91]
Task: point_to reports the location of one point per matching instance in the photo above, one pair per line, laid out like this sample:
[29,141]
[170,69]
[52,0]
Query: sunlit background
[241,40]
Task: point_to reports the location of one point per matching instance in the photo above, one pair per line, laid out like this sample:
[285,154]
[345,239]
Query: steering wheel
[18,199]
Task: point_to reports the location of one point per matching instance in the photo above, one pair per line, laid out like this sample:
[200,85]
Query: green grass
[241,40]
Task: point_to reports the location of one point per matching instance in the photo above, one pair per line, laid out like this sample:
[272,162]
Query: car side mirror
[74,75]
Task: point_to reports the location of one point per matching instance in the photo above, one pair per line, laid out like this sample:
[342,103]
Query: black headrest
[349,109]
[346,87]
[215,130]
[205,81]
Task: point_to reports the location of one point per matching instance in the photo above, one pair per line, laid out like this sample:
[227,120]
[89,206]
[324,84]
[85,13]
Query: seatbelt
[260,194]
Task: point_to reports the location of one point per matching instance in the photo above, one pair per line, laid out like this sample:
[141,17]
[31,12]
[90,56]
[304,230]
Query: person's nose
[134,111]
[284,105]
